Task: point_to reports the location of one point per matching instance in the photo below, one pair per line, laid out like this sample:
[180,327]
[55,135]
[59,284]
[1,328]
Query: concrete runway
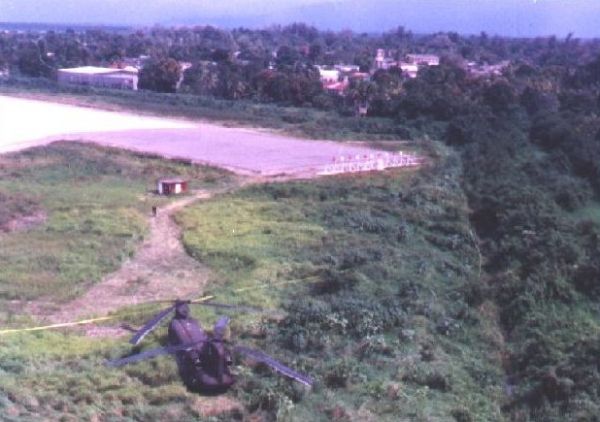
[25,123]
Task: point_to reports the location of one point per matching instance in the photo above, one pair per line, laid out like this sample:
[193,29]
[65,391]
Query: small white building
[104,77]
[410,69]
[171,186]
[329,76]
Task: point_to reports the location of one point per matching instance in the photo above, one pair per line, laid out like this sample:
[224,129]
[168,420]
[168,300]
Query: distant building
[410,64]
[104,77]
[486,70]
[171,186]
[135,62]
[328,76]
[423,59]
[336,80]
[338,88]
[359,76]
[409,69]
[384,62]
[347,68]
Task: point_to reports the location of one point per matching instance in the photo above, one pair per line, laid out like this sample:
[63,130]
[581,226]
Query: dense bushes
[527,178]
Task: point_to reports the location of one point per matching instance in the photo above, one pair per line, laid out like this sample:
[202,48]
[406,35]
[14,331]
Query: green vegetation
[376,310]
[469,291]
[51,376]
[73,212]
[91,206]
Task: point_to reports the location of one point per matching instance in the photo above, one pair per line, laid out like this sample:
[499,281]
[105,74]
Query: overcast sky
[507,17]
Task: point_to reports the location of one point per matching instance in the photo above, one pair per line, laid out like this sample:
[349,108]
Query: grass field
[87,209]
[91,206]
[366,281]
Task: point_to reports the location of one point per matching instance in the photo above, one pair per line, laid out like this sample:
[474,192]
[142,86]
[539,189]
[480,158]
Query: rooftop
[172,180]
[93,70]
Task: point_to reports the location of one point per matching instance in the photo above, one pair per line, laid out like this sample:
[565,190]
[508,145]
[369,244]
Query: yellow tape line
[64,324]
[266,285]
[82,322]
[107,318]
[202,299]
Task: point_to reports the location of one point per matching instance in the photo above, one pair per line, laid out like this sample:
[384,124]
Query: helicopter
[203,359]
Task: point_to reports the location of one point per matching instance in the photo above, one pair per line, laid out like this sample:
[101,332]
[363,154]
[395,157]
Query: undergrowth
[372,273]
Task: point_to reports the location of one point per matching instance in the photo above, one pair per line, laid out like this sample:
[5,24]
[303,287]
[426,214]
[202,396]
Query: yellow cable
[266,285]
[106,318]
[64,324]
[82,322]
[202,299]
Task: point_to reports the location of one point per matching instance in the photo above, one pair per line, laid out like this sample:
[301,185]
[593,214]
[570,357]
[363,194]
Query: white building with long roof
[104,77]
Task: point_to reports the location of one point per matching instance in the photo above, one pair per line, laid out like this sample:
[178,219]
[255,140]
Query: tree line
[277,64]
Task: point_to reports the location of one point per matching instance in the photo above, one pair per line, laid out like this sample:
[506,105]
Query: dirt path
[159,270]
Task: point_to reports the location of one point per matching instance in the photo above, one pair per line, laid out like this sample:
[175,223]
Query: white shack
[171,186]
[104,77]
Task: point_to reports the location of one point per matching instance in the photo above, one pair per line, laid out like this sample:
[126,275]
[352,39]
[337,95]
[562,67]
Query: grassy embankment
[379,315]
[80,211]
[379,318]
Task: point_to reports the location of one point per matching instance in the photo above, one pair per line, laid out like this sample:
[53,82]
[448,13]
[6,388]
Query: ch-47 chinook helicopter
[203,359]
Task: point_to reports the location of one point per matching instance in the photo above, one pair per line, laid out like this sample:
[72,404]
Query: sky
[504,17]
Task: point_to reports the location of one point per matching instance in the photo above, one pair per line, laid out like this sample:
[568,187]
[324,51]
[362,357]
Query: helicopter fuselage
[204,367]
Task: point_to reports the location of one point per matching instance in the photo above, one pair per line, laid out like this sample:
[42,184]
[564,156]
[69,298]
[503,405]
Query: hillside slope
[372,273]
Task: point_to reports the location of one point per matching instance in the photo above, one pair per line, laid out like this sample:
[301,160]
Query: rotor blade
[138,357]
[207,301]
[220,327]
[244,308]
[152,353]
[279,367]
[198,300]
[150,325]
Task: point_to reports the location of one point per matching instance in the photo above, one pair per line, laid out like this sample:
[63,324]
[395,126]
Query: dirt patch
[207,407]
[24,222]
